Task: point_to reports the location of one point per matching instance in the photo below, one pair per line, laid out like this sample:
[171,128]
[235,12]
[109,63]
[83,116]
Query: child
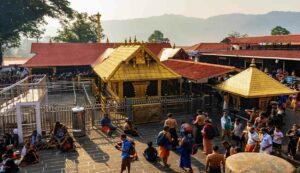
[150,153]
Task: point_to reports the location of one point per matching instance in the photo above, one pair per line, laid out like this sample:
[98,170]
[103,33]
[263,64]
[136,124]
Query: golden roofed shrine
[254,85]
[132,71]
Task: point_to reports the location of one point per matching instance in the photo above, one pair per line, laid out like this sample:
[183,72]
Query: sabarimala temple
[92,105]
[133,71]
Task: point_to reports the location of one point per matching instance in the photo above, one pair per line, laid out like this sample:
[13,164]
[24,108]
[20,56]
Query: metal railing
[116,108]
[75,95]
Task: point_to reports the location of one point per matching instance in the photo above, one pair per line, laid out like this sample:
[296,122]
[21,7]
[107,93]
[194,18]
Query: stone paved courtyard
[96,153]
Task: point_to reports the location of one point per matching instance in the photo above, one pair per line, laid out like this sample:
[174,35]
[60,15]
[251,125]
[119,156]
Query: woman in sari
[186,151]
[29,155]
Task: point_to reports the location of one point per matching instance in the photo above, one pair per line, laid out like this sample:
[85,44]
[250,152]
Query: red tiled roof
[75,54]
[157,47]
[197,71]
[203,47]
[270,54]
[266,39]
[65,54]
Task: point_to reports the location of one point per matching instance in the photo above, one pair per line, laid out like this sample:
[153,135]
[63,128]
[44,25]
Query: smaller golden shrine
[132,70]
[255,86]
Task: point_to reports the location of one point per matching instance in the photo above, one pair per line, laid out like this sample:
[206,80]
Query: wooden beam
[54,70]
[120,89]
[158,87]
[180,86]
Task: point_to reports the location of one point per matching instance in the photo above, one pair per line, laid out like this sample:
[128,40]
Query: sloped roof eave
[248,84]
[107,76]
[255,95]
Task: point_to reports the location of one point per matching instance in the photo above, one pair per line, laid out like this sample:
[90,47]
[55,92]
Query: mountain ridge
[190,30]
[187,31]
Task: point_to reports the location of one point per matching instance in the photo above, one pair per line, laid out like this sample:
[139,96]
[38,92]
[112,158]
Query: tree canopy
[25,18]
[82,28]
[278,30]
[233,34]
[158,37]
[236,34]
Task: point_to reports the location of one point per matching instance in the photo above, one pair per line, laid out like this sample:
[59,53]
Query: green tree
[235,34]
[158,37]
[278,30]
[82,28]
[25,18]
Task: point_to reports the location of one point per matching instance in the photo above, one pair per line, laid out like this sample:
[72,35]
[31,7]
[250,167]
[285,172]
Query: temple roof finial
[129,40]
[253,63]
[135,40]
[98,15]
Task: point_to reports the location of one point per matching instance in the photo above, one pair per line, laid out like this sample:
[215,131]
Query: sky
[127,9]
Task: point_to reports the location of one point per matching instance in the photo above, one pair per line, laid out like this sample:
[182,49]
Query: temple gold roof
[253,83]
[119,65]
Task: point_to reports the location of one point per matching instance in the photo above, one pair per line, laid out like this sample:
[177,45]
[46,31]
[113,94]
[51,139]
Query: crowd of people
[11,75]
[11,158]
[71,75]
[257,136]
[262,133]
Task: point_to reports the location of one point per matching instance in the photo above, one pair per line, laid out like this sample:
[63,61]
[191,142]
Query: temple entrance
[128,89]
[28,119]
[140,88]
[152,89]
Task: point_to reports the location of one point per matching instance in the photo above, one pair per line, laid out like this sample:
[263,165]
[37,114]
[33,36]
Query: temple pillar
[180,86]
[30,71]
[158,87]
[54,70]
[120,89]
[191,86]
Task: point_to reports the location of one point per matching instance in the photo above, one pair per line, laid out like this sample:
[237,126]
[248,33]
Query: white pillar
[38,118]
[19,122]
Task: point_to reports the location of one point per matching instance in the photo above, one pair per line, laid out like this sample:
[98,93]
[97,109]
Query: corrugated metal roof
[261,54]
[266,39]
[7,61]
[168,53]
[208,47]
